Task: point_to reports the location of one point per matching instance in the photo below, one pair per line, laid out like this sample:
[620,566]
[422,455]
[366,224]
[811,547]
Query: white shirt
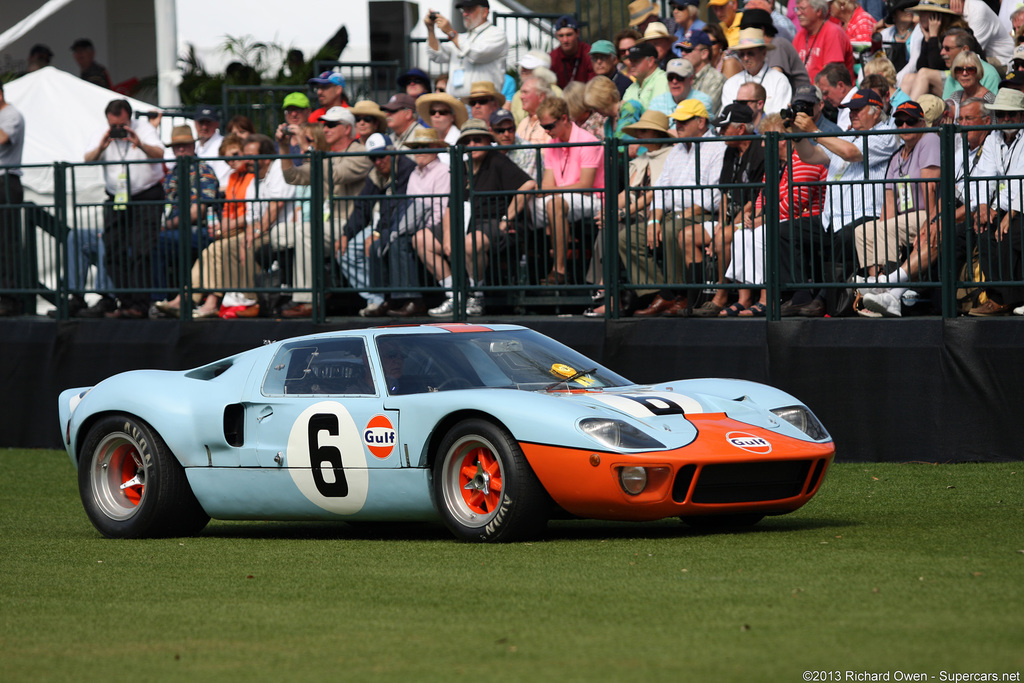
[776,86]
[680,171]
[993,37]
[843,120]
[142,176]
[270,187]
[480,56]
[1000,159]
[846,203]
[211,148]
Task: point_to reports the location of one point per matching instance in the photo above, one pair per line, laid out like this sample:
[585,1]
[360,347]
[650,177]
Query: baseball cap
[909,110]
[679,67]
[688,109]
[641,50]
[602,47]
[398,102]
[328,78]
[807,93]
[696,38]
[566,21]
[339,114]
[414,75]
[863,98]
[378,142]
[295,99]
[531,60]
[501,116]
[472,3]
[737,112]
[718,3]
[206,113]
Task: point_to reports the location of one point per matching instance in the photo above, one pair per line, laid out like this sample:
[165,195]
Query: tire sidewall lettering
[326,430]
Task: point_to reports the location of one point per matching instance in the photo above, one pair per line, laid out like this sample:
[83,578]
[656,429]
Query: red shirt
[807,199]
[577,68]
[829,44]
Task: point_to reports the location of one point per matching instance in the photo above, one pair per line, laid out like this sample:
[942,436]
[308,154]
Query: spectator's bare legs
[558,227]
[927,81]
[431,253]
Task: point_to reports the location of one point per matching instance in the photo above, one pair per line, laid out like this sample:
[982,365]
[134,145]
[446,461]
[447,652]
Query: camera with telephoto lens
[789,113]
[118,131]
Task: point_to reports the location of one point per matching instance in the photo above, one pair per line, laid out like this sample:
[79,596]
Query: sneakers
[883,303]
[864,284]
[474,306]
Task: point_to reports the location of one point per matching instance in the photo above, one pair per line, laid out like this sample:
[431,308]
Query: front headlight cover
[804,420]
[618,434]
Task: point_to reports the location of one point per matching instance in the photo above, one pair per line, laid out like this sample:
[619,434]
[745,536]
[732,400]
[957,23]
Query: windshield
[514,359]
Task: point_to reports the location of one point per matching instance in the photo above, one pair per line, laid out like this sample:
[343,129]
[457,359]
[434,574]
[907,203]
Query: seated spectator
[201,221]
[858,24]
[967,69]
[742,164]
[685,195]
[650,87]
[483,100]
[781,56]
[606,62]
[414,82]
[582,114]
[899,24]
[570,61]
[208,141]
[623,40]
[1000,212]
[798,202]
[937,78]
[657,34]
[296,113]
[811,95]
[476,55]
[880,65]
[378,210]
[232,217]
[642,13]
[752,50]
[836,86]
[719,50]
[370,119]
[910,206]
[820,41]
[567,169]
[445,114]
[400,112]
[330,92]
[706,78]
[343,178]
[782,24]
[602,96]
[430,187]
[753,95]
[679,73]
[502,126]
[240,125]
[847,204]
[533,61]
[684,13]
[534,92]
[488,223]
[728,18]
[441,83]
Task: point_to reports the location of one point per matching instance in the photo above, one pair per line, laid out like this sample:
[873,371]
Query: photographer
[132,212]
[476,55]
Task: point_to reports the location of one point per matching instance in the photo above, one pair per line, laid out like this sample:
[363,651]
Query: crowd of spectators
[858,193]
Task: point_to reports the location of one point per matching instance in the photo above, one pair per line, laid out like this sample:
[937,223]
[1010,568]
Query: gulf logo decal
[379,436]
[749,442]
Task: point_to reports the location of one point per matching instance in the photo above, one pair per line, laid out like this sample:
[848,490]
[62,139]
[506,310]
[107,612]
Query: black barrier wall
[929,390]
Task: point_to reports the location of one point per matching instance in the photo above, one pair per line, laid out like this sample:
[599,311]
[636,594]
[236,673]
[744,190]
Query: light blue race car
[490,429]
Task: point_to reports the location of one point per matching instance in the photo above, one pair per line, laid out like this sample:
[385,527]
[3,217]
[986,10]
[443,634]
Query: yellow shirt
[732,33]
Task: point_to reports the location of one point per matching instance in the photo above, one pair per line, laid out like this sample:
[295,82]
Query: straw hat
[649,120]
[655,31]
[640,10]
[940,6]
[473,128]
[423,103]
[484,89]
[751,38]
[181,135]
[368,108]
[426,138]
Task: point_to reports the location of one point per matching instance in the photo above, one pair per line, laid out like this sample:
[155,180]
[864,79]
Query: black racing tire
[735,522]
[131,484]
[484,488]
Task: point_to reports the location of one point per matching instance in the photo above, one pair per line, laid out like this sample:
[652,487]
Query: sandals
[732,311]
[755,311]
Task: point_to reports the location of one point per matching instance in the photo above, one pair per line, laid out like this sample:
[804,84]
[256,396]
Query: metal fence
[76,248]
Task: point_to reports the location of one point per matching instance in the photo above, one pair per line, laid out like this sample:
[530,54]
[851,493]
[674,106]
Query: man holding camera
[132,212]
[476,55]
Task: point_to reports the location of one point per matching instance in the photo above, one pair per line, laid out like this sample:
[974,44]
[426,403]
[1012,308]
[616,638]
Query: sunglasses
[331,124]
[478,140]
[907,123]
[477,101]
[440,112]
[503,131]
[366,119]
[965,70]
[676,77]
[549,126]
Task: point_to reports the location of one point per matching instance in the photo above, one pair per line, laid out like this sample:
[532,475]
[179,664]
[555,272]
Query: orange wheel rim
[129,474]
[480,480]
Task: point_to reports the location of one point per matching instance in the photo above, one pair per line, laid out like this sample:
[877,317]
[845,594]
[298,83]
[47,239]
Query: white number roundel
[326,459]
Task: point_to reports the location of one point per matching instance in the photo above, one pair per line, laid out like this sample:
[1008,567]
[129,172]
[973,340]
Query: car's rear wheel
[132,486]
[484,487]
[733,522]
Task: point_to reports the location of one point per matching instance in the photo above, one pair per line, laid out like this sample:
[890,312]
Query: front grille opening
[819,468]
[682,484]
[750,482]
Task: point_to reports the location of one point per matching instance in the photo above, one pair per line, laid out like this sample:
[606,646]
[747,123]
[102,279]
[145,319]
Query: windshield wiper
[569,379]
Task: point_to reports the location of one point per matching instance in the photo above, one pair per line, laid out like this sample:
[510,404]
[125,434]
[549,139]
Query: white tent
[62,114]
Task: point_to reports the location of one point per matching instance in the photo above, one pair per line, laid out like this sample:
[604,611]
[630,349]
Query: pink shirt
[567,163]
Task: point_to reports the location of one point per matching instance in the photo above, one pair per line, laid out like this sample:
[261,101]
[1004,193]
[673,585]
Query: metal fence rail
[65,249]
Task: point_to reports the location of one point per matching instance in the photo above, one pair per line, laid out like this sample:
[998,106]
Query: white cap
[339,114]
[378,142]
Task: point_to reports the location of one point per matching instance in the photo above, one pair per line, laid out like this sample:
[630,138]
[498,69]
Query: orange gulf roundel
[379,436]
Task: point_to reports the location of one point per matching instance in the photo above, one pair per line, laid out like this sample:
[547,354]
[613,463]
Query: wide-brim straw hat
[473,128]
[369,108]
[649,120]
[640,10]
[423,103]
[940,6]
[484,89]
[751,38]
[656,31]
[426,138]
[181,135]
[1007,99]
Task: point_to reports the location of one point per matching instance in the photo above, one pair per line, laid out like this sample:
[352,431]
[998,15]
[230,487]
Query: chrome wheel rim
[118,477]
[473,481]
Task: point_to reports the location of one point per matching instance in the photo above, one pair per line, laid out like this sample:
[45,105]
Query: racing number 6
[319,454]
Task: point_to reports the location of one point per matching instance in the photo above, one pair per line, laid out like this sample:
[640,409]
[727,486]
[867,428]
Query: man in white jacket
[477,55]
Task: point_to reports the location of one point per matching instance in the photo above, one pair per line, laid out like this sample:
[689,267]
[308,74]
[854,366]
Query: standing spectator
[296,113]
[209,139]
[330,92]
[570,61]
[837,89]
[135,196]
[343,178]
[697,50]
[651,84]
[445,114]
[602,54]
[202,190]
[820,41]
[476,55]
[752,51]
[12,142]
[85,56]
[370,119]
[568,168]
[38,57]
[414,82]
[728,18]
[400,111]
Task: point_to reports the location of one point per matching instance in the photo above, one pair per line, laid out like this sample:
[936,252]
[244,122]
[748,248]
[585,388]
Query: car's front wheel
[131,484]
[484,487]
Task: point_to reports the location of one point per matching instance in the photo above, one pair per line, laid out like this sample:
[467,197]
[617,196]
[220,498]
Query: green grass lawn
[892,568]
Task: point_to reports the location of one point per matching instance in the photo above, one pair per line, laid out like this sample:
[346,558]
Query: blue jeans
[356,267]
[85,248]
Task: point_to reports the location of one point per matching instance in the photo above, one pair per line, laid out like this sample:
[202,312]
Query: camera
[789,113]
[118,131]
[433,16]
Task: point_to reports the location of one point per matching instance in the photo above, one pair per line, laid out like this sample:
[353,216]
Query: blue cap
[566,21]
[328,78]
[696,38]
[414,75]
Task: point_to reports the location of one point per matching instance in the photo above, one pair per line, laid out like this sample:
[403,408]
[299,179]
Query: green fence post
[183,263]
[609,231]
[60,203]
[947,207]
[771,224]
[317,199]
[462,191]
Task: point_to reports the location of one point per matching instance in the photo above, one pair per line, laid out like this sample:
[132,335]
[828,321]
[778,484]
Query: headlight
[633,480]
[804,420]
[617,434]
